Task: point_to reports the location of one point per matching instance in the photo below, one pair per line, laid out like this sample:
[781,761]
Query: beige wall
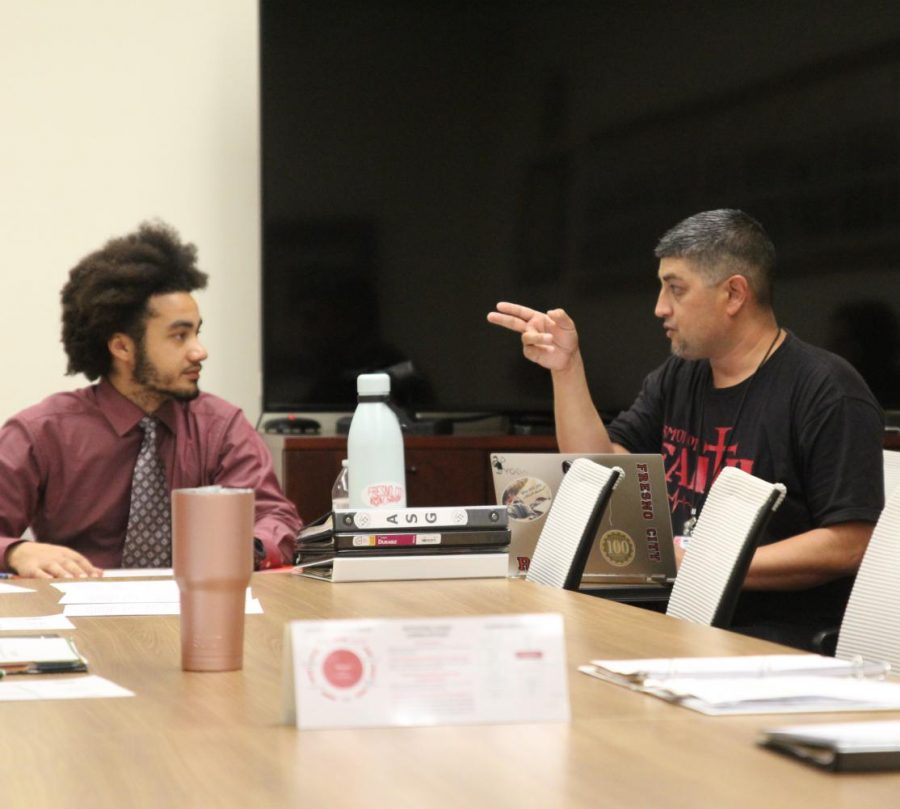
[111,112]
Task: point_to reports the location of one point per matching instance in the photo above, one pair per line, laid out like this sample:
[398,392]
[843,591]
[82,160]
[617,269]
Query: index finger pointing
[507,321]
[516,310]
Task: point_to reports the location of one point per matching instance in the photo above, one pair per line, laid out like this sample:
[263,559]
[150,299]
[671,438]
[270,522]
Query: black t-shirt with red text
[805,419]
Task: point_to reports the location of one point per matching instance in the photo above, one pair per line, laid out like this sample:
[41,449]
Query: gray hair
[722,243]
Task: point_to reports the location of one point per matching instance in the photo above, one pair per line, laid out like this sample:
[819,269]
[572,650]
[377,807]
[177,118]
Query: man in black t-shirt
[738,391]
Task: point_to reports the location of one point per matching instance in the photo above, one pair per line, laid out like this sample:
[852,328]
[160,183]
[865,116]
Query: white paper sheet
[142,572]
[96,598]
[253,607]
[38,623]
[120,592]
[117,592]
[36,649]
[785,695]
[775,694]
[5,588]
[641,670]
[31,687]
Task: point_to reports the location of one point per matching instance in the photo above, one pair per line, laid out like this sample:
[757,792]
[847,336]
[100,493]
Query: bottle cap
[373,384]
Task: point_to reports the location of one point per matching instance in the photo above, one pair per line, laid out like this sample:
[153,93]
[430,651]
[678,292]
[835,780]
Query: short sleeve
[639,429]
[843,456]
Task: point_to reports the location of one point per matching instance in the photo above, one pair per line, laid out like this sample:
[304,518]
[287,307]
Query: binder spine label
[410,519]
[393,540]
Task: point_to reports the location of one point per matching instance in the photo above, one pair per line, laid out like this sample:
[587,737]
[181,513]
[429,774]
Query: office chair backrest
[564,544]
[871,625]
[891,471]
[733,519]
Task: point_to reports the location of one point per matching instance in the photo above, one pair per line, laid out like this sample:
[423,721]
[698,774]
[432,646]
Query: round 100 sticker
[617,548]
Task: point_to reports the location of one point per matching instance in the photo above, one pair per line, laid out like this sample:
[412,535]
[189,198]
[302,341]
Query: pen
[48,667]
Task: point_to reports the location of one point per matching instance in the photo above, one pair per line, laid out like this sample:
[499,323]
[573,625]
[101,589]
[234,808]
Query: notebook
[634,541]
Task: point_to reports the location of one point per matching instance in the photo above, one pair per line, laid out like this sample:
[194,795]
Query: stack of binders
[406,543]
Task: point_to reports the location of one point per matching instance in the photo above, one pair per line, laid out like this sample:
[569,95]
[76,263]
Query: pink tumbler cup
[212,558]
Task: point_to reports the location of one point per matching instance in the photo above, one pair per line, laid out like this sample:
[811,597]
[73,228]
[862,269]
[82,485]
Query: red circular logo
[342,668]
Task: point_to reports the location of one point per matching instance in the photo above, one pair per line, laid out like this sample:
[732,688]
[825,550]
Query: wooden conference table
[216,740]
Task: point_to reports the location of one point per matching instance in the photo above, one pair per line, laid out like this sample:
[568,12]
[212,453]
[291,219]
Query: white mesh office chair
[715,563]
[564,544]
[871,625]
[891,471]
[825,642]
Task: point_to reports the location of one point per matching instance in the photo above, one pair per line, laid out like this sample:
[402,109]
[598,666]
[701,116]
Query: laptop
[633,544]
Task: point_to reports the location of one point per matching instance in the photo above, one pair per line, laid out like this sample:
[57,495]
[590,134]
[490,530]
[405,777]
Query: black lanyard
[696,505]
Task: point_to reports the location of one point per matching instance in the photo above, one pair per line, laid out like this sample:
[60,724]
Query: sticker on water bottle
[382,495]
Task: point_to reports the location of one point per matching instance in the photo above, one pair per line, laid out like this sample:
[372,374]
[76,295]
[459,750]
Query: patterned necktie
[148,541]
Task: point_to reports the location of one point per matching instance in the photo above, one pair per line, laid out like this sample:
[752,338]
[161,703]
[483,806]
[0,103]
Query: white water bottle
[375,448]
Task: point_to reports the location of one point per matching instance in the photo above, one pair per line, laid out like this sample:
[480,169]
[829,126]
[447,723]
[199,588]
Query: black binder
[840,747]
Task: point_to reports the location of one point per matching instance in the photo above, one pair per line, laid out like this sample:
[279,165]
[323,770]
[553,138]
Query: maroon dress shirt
[66,466]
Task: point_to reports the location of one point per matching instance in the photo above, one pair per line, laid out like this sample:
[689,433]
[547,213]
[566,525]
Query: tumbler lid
[373,384]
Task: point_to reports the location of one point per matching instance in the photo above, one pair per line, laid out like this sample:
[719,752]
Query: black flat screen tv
[423,160]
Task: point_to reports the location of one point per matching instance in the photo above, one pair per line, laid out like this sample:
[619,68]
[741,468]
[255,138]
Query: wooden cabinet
[440,470]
